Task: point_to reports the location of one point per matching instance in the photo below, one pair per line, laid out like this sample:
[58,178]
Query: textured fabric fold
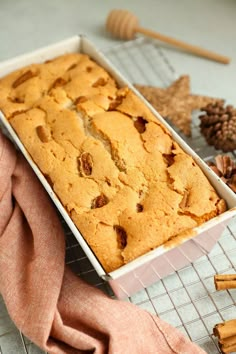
[54,308]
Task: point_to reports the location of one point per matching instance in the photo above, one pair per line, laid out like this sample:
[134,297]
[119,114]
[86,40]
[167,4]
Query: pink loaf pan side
[166,263]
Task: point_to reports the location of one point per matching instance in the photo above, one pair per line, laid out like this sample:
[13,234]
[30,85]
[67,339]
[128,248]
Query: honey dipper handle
[187,47]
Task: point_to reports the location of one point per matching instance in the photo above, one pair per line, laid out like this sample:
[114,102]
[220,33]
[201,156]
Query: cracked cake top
[127,185]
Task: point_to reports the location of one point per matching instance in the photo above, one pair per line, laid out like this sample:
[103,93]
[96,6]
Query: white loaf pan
[164,260]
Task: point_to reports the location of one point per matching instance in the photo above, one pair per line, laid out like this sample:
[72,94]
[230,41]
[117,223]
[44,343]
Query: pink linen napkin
[54,308]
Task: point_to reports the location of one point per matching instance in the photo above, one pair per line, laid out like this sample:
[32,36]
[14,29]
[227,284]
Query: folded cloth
[54,308]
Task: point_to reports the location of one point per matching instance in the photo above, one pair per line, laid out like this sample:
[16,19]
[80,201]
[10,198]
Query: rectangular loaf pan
[164,260]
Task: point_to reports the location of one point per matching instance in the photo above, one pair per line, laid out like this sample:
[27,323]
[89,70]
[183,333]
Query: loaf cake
[126,184]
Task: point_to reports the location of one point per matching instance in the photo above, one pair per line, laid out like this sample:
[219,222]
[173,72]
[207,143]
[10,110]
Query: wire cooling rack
[187,299]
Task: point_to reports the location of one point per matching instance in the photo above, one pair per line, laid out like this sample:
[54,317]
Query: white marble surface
[28,24]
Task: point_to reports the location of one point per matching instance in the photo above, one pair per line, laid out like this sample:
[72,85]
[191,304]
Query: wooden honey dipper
[123,24]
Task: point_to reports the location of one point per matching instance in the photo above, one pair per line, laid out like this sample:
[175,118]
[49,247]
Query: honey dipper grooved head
[122,24]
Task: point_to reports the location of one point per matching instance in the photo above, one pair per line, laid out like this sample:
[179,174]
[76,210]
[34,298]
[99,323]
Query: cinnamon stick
[226,333]
[225,281]
[228,345]
[225,329]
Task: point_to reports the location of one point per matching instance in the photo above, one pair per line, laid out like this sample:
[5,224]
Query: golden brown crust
[125,183]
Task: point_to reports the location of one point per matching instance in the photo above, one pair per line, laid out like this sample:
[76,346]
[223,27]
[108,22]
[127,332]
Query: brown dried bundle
[225,167]
[225,331]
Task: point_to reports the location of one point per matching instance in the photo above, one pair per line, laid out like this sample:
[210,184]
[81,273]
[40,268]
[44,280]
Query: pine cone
[218,125]
[225,168]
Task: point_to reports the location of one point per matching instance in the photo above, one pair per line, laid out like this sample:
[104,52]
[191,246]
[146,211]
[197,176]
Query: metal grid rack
[187,299]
